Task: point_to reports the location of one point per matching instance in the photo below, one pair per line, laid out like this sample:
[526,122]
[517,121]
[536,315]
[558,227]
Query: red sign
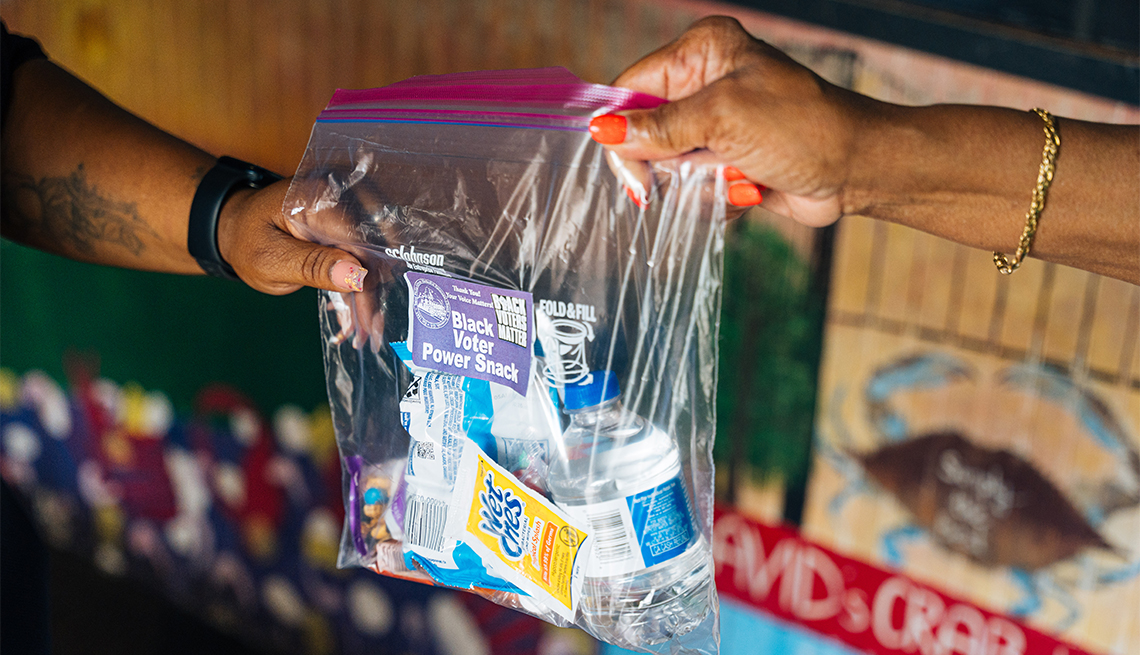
[869,608]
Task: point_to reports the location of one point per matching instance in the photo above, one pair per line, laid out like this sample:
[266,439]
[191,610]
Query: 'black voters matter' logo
[510,314]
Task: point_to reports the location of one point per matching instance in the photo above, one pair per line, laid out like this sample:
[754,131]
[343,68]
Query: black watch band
[213,190]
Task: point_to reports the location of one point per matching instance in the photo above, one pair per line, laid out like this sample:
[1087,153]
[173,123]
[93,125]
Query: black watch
[213,190]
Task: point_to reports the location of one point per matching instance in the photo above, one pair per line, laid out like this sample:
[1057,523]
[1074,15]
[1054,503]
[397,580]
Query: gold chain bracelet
[1008,265]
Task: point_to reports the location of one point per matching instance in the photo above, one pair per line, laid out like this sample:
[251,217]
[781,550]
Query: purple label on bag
[471,329]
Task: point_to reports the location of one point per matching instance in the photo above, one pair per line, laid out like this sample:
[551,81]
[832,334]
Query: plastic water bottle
[649,577]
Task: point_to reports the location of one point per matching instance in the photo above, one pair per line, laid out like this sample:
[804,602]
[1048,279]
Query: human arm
[85,179]
[964,173]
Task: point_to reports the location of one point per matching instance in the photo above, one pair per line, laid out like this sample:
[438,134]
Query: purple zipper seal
[353,464]
[544,86]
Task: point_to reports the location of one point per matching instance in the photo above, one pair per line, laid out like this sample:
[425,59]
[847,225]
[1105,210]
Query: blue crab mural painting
[994,504]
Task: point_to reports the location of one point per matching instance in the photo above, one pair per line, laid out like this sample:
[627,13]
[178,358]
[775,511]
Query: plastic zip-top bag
[523,394]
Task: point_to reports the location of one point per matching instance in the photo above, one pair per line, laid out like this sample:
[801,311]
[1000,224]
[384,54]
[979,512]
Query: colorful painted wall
[975,431]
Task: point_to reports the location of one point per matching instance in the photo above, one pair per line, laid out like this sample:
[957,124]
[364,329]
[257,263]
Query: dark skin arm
[964,173]
[85,179]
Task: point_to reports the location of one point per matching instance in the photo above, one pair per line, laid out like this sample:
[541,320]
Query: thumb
[285,264]
[255,238]
[665,131]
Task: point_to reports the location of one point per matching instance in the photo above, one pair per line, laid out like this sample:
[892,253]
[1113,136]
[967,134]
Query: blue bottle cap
[372,496]
[597,388]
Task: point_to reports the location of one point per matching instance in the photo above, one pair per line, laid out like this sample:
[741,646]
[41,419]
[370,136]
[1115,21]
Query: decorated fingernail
[732,174]
[348,276]
[635,198]
[608,129]
[744,195]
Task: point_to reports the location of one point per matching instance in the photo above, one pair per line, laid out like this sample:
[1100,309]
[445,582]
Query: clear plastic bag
[524,392]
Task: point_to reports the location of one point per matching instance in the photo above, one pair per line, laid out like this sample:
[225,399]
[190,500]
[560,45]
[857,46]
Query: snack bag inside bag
[523,392]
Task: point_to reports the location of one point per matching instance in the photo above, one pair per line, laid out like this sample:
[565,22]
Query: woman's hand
[753,108]
[961,172]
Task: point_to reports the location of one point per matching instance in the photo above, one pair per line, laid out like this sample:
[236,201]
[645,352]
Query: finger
[660,133]
[371,319]
[284,264]
[732,174]
[703,54]
[811,212]
[368,306]
[635,176]
[744,194]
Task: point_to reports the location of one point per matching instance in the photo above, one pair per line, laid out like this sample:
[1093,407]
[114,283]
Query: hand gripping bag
[523,393]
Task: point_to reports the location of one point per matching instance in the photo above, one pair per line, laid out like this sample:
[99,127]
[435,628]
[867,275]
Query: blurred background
[852,356]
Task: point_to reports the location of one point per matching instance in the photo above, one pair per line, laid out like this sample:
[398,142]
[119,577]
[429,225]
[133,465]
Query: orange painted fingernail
[744,195]
[608,129]
[732,174]
[348,276]
[634,197]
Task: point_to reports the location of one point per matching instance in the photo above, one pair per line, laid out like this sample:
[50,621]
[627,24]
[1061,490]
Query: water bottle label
[662,521]
[638,531]
[470,329]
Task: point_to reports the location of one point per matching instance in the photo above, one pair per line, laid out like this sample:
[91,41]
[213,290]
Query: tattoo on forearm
[70,215]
